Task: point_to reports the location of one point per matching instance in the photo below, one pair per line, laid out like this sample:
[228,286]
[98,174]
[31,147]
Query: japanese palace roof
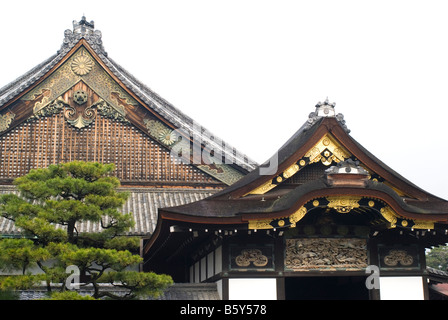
[46,118]
[130,93]
[347,169]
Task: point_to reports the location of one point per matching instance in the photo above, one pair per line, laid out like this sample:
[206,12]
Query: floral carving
[325,254]
[249,256]
[79,119]
[82,65]
[342,204]
[167,137]
[6,120]
[158,130]
[398,256]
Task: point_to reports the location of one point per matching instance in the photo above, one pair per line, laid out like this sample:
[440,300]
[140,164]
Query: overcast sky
[252,71]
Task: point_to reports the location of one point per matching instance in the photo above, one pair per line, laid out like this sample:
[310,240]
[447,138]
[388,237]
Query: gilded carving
[313,154]
[389,215]
[80,97]
[268,223]
[297,216]
[260,224]
[82,65]
[292,170]
[53,108]
[394,257]
[265,187]
[154,127]
[420,224]
[326,150]
[249,256]
[167,137]
[6,120]
[343,204]
[326,254]
[79,119]
[108,111]
[160,132]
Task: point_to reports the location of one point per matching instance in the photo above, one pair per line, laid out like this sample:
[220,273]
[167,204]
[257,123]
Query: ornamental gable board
[82,105]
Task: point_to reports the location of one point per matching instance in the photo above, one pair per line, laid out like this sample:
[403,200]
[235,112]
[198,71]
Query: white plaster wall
[401,288]
[253,289]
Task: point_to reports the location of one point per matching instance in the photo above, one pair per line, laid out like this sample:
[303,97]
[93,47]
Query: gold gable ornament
[344,205]
[326,150]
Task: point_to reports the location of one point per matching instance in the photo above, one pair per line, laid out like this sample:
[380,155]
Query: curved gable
[83,84]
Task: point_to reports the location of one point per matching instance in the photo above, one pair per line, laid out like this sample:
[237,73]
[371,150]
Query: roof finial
[86,30]
[325,109]
[83,27]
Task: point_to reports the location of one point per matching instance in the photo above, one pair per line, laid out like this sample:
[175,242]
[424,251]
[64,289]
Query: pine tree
[437,258]
[51,204]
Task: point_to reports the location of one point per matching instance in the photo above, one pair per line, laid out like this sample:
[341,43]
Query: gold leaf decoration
[6,120]
[82,65]
[167,136]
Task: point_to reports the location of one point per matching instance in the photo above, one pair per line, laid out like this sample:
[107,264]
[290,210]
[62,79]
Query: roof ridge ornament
[83,26]
[325,110]
[86,30]
[347,173]
[348,166]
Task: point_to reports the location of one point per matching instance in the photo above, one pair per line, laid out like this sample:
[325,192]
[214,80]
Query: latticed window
[49,140]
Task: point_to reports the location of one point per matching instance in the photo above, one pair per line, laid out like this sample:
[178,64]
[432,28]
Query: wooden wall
[49,140]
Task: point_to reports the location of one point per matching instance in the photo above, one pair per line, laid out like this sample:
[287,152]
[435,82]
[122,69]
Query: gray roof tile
[142,203]
[178,291]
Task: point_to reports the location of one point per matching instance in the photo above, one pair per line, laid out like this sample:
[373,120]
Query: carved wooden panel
[398,257]
[325,254]
[52,139]
[249,258]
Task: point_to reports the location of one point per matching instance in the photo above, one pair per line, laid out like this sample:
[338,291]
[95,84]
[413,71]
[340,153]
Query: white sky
[252,71]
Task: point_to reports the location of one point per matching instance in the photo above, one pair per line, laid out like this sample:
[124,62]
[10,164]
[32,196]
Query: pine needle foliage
[51,204]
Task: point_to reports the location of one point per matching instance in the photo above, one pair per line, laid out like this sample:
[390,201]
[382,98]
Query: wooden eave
[273,209]
[235,205]
[421,205]
[331,126]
